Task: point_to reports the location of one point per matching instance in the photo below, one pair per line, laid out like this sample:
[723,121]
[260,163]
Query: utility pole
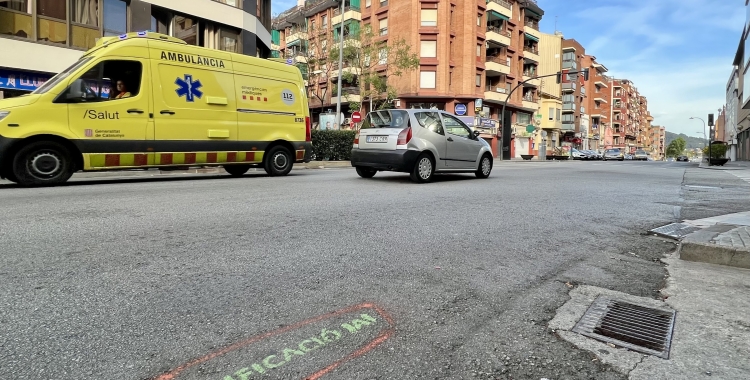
[710,135]
[341,69]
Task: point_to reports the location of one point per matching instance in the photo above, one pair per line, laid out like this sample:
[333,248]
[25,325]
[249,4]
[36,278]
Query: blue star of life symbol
[189,88]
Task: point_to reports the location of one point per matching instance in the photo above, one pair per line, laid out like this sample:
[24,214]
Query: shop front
[14,83]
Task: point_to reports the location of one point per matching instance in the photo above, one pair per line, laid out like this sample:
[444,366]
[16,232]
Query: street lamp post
[705,139]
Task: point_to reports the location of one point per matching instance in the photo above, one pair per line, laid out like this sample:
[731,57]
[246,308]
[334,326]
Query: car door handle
[135,111]
[450,139]
[167,112]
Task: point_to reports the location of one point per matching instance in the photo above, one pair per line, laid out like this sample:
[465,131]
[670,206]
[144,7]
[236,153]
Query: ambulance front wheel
[42,163]
[278,161]
[236,170]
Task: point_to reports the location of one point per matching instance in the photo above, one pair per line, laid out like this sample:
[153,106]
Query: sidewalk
[732,165]
[711,336]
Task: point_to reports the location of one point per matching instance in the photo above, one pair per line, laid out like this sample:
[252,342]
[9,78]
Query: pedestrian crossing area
[742,174]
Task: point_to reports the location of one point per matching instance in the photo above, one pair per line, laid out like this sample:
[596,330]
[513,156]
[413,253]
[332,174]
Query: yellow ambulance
[145,100]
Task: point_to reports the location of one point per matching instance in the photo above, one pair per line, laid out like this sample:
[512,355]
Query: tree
[717,151]
[314,60]
[676,147]
[373,65]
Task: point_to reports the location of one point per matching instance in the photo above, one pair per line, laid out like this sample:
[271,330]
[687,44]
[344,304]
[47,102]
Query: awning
[531,13]
[493,15]
[530,37]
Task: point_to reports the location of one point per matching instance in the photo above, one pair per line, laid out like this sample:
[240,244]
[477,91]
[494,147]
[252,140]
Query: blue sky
[678,53]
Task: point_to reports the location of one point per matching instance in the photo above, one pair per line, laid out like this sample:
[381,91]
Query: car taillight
[404,136]
[308,129]
[356,139]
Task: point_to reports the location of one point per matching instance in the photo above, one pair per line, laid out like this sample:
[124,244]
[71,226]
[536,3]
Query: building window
[115,17]
[568,117]
[428,49]
[479,50]
[84,17]
[453,10]
[523,118]
[384,26]
[479,20]
[559,112]
[551,113]
[229,40]
[228,2]
[324,22]
[427,79]
[450,78]
[478,80]
[186,29]
[368,3]
[429,17]
[15,18]
[160,20]
[382,56]
[51,24]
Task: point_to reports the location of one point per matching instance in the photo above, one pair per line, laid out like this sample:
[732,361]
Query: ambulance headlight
[3,114]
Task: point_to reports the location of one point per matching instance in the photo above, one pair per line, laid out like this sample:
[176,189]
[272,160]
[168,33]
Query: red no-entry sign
[356,117]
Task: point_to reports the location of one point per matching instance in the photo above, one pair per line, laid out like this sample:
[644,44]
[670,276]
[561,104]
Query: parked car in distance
[614,154]
[577,154]
[421,142]
[640,155]
[683,158]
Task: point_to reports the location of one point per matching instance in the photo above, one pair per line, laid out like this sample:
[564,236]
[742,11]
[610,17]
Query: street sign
[460,109]
[530,128]
[356,117]
[289,61]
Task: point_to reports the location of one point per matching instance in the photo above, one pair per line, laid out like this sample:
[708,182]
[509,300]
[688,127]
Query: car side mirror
[477,133]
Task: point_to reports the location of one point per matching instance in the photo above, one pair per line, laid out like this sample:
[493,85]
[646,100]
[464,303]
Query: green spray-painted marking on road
[310,344]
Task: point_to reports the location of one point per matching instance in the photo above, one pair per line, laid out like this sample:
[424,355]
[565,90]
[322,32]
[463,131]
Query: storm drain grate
[638,328]
[675,230]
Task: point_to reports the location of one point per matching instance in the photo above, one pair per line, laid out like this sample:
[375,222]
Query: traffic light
[586,74]
[558,78]
[710,119]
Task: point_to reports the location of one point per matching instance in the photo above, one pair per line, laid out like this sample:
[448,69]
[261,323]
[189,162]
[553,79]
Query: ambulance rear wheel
[236,170]
[42,163]
[278,161]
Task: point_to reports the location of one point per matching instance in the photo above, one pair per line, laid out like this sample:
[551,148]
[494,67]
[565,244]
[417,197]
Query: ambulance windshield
[60,76]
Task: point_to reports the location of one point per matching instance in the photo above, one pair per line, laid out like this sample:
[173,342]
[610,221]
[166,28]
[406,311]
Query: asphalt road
[324,274]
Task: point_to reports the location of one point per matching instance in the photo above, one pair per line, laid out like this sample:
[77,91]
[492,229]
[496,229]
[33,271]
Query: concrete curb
[714,254]
[700,246]
[703,165]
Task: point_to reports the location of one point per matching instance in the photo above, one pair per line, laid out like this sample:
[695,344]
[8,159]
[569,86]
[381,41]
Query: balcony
[568,107]
[499,35]
[296,35]
[569,87]
[583,90]
[599,99]
[497,93]
[568,125]
[531,53]
[503,7]
[497,64]
[569,65]
[350,13]
[348,94]
[530,102]
[600,83]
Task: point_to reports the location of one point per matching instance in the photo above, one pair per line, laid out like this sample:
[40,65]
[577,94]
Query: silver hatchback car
[421,142]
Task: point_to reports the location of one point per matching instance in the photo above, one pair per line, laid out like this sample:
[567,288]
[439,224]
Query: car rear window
[613,151]
[386,119]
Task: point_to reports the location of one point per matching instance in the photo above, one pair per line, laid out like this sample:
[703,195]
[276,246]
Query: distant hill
[692,142]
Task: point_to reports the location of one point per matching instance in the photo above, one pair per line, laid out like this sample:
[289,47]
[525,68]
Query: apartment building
[575,118]
[39,38]
[550,94]
[627,115]
[598,101]
[657,136]
[742,114]
[472,53]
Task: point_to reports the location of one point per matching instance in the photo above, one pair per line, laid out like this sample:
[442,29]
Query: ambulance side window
[108,81]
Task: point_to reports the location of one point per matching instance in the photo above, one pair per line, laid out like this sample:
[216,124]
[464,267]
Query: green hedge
[332,145]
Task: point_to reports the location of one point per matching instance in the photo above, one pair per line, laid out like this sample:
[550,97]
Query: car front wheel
[485,167]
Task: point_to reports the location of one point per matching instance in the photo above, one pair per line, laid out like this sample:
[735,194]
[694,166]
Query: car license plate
[377,139]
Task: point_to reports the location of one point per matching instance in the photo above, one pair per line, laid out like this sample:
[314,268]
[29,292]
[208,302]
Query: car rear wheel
[485,167]
[42,163]
[423,170]
[236,170]
[366,172]
[278,161]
